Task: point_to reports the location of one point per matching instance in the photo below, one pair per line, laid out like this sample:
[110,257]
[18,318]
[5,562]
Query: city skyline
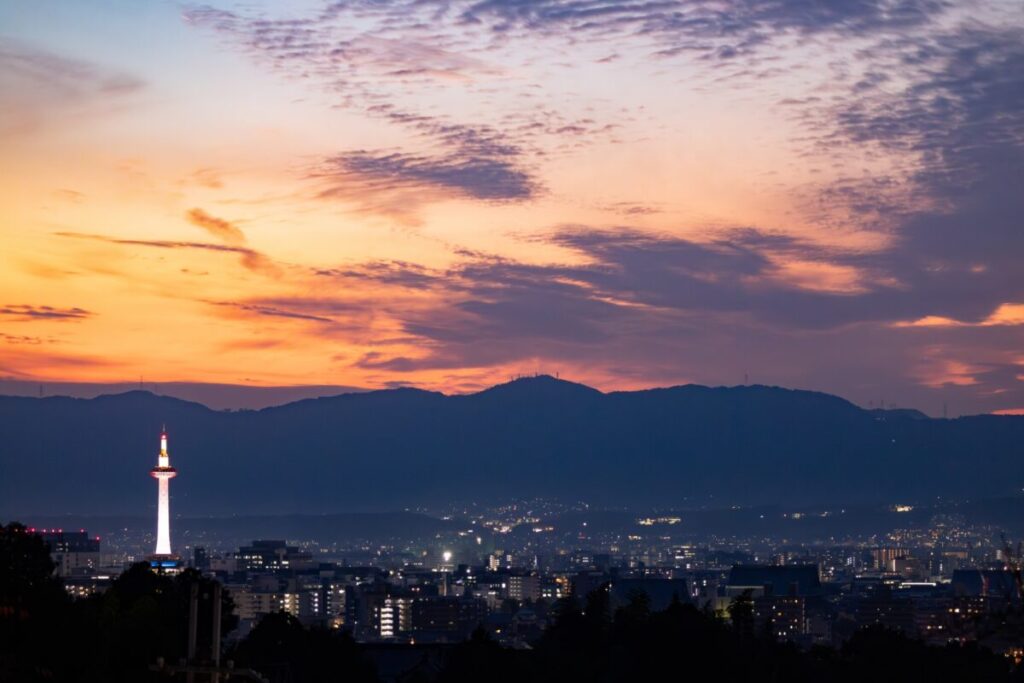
[820,196]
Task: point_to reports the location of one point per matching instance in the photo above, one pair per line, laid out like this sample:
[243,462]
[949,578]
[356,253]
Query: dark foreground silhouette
[117,636]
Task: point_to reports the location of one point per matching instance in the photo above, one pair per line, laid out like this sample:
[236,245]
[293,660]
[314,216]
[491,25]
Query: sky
[819,195]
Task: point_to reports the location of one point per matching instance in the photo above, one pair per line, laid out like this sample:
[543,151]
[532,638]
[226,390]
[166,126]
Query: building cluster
[444,603]
[941,583]
[78,562]
[791,603]
[799,597]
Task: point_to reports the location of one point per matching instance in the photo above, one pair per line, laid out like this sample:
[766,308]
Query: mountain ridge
[213,395]
[532,380]
[532,436]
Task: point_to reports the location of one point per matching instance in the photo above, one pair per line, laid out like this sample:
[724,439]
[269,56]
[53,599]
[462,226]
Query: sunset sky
[819,195]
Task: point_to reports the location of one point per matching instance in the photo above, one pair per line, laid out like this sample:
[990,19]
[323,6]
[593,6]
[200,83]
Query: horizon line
[94,390]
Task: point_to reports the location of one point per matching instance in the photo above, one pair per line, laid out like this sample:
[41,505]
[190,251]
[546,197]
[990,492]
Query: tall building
[272,555]
[781,616]
[883,557]
[200,558]
[446,618]
[73,552]
[163,473]
[524,587]
[791,579]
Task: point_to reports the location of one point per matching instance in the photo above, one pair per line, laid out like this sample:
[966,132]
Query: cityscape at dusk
[444,341]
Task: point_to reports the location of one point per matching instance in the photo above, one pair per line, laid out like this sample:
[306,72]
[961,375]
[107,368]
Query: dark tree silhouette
[741,614]
[33,606]
[284,650]
[481,657]
[110,637]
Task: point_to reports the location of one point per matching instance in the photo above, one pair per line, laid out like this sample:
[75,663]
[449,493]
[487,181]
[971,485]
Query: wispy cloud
[373,70]
[1004,314]
[250,258]
[27,312]
[960,126]
[263,310]
[39,84]
[649,306]
[361,173]
[34,363]
[218,227]
[26,339]
[377,58]
[209,178]
[486,310]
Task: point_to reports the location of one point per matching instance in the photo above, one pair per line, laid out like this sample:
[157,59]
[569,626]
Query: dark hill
[686,445]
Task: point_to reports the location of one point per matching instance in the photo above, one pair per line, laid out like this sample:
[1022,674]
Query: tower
[163,473]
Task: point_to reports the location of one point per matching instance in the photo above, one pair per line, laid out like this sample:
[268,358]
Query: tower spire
[164,457]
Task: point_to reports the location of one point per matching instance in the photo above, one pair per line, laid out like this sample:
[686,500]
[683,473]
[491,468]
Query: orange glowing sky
[443,195]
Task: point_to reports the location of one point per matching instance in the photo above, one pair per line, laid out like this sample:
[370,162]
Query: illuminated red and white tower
[163,473]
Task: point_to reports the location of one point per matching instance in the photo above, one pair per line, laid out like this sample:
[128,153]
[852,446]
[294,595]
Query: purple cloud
[26,312]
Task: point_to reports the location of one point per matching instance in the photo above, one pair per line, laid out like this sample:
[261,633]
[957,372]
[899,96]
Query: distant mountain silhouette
[680,446]
[217,396]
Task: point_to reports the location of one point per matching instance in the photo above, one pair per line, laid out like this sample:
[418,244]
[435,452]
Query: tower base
[165,564]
